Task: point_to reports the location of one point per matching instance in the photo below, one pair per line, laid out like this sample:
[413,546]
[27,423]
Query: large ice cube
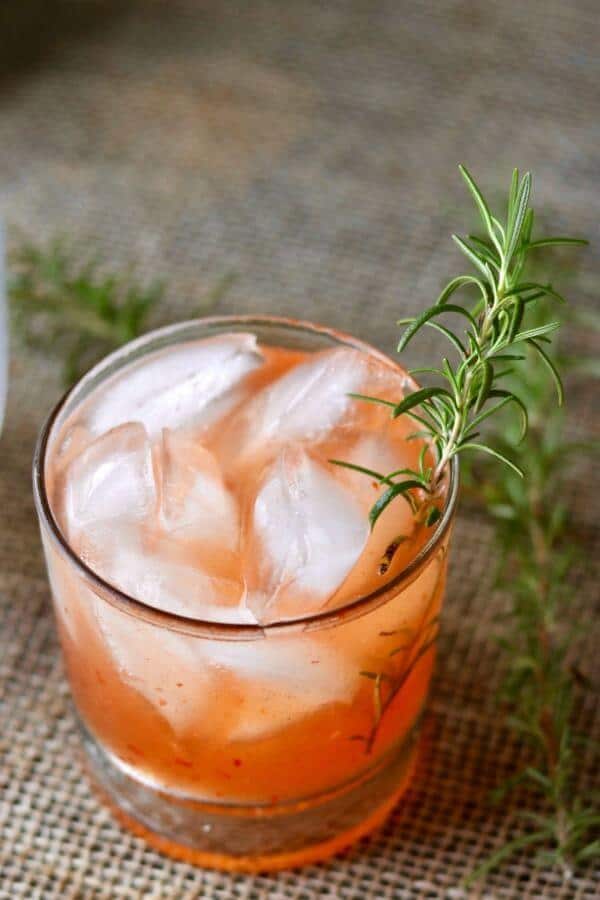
[186,385]
[195,502]
[303,404]
[165,667]
[306,534]
[312,398]
[152,568]
[244,690]
[112,478]
[383,451]
[282,680]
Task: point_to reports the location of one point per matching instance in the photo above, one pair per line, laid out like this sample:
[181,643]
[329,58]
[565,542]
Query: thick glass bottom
[252,838]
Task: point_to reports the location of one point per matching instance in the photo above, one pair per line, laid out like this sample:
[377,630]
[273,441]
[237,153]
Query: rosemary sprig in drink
[449,414]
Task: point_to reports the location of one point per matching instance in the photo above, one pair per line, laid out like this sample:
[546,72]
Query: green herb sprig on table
[537,547]
[65,304]
[507,327]
[450,414]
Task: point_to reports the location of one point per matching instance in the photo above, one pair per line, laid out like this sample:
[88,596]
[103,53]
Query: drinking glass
[244,747]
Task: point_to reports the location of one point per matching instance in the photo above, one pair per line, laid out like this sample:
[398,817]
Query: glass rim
[214,629]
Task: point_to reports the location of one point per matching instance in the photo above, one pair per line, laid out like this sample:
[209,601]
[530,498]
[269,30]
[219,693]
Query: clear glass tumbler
[282,743]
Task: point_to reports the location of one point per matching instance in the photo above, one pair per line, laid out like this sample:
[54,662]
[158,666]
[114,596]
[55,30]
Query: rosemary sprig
[62,303]
[387,683]
[450,413]
[65,305]
[537,550]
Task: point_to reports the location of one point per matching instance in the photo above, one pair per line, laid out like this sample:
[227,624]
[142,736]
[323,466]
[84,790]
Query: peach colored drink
[248,660]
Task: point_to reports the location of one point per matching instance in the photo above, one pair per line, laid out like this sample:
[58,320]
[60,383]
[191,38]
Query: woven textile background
[310,148]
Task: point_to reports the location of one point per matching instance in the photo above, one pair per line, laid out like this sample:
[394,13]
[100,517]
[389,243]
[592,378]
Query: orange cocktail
[248,659]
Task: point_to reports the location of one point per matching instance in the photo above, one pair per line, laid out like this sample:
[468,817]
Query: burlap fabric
[310,148]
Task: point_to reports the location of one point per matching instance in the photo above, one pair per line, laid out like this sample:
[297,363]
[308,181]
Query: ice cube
[112,478]
[72,442]
[246,690]
[165,667]
[312,398]
[304,403]
[282,680]
[382,451]
[187,385]
[306,534]
[195,502]
[153,569]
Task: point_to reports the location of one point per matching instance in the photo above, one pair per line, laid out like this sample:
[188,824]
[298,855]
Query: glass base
[246,838]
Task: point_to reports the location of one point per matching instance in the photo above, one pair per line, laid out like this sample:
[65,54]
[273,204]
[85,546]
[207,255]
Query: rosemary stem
[453,438]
